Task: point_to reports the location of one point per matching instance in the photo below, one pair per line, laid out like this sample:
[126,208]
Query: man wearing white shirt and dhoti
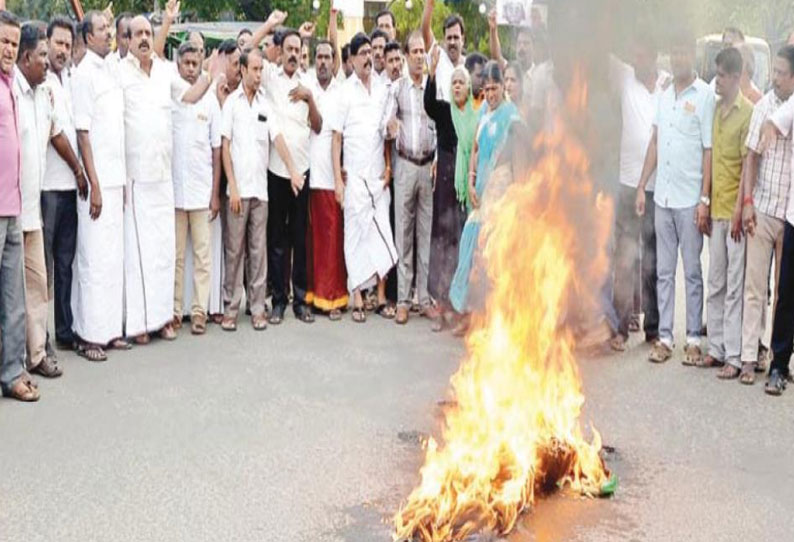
[38,123]
[196,170]
[98,280]
[150,86]
[369,247]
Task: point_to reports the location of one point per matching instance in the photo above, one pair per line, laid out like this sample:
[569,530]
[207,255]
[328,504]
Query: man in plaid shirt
[764,207]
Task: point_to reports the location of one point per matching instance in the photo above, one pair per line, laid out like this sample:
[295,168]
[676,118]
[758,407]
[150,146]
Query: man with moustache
[150,86]
[452,51]
[196,169]
[369,249]
[296,116]
[767,184]
[15,382]
[98,280]
[379,38]
[245,142]
[414,134]
[394,61]
[61,183]
[328,278]
[385,22]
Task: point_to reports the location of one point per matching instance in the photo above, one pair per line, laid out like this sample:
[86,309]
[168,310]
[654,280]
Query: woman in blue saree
[491,170]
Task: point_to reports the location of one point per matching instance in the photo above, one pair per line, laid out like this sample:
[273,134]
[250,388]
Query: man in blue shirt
[680,153]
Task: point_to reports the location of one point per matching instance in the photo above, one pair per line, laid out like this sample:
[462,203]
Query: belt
[417,161]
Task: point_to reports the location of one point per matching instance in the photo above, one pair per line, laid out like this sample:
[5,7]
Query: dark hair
[286,33]
[345,52]
[227,47]
[60,21]
[187,48]
[244,31]
[787,52]
[78,32]
[29,39]
[247,54]
[88,23]
[121,16]
[386,13]
[323,41]
[730,60]
[475,59]
[391,46]
[358,41]
[453,20]
[733,30]
[8,18]
[278,35]
[492,72]
[378,33]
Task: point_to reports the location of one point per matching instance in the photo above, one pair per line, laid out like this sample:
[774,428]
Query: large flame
[514,430]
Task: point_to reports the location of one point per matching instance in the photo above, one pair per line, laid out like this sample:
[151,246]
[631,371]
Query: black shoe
[276,316]
[776,383]
[304,314]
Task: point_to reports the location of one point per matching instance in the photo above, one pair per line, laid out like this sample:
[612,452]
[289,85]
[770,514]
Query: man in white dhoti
[363,189]
[98,279]
[150,86]
[196,168]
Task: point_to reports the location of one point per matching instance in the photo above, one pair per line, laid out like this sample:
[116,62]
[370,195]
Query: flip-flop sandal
[306,317]
[729,372]
[92,353]
[335,315]
[359,315]
[120,344]
[747,375]
[386,310]
[709,362]
[259,322]
[23,389]
[229,324]
[692,356]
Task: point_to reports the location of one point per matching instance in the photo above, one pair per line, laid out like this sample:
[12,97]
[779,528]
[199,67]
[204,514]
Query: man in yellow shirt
[726,244]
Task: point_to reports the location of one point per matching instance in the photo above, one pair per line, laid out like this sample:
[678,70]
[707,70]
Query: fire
[515,431]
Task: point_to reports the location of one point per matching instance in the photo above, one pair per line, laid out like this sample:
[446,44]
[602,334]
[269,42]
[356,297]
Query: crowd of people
[139,195]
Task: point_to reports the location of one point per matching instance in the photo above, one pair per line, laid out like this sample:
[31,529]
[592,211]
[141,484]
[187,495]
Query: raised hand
[277,17]
[107,13]
[217,65]
[306,30]
[492,20]
[172,10]
[435,55]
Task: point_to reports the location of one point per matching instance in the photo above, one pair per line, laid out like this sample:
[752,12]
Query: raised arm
[427,24]
[170,15]
[275,19]
[333,37]
[493,40]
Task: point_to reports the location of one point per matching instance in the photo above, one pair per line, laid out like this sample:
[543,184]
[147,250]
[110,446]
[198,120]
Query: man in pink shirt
[14,381]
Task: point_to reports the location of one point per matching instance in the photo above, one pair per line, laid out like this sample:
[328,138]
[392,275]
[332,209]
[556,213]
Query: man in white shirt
[38,124]
[98,282]
[122,37]
[196,169]
[414,134]
[451,53]
[245,130]
[328,279]
[150,87]
[59,188]
[369,246]
[379,39]
[296,115]
[639,86]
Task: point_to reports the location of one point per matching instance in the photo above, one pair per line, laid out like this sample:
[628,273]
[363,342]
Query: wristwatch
[705,200]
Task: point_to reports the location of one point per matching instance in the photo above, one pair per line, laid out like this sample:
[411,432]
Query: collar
[239,93]
[22,82]
[330,86]
[737,102]
[137,63]
[421,84]
[92,58]
[281,73]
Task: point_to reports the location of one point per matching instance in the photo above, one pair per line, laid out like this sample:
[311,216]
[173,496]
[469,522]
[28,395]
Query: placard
[514,12]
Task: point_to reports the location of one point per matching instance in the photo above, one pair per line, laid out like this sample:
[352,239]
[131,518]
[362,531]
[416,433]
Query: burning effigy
[514,431]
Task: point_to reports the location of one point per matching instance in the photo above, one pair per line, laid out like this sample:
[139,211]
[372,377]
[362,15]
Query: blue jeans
[12,302]
[676,228]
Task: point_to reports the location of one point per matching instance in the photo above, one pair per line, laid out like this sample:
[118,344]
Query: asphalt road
[312,434]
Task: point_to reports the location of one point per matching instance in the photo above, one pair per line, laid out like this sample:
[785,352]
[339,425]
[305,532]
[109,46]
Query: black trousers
[59,217]
[635,260]
[783,326]
[287,225]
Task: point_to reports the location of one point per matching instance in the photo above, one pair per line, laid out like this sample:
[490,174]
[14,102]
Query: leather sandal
[259,322]
[402,315]
[198,324]
[168,333]
[48,368]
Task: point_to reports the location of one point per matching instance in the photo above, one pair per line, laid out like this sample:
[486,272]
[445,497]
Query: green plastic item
[608,488]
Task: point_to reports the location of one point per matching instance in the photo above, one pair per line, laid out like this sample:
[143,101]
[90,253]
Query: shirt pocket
[689,124]
[262,129]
